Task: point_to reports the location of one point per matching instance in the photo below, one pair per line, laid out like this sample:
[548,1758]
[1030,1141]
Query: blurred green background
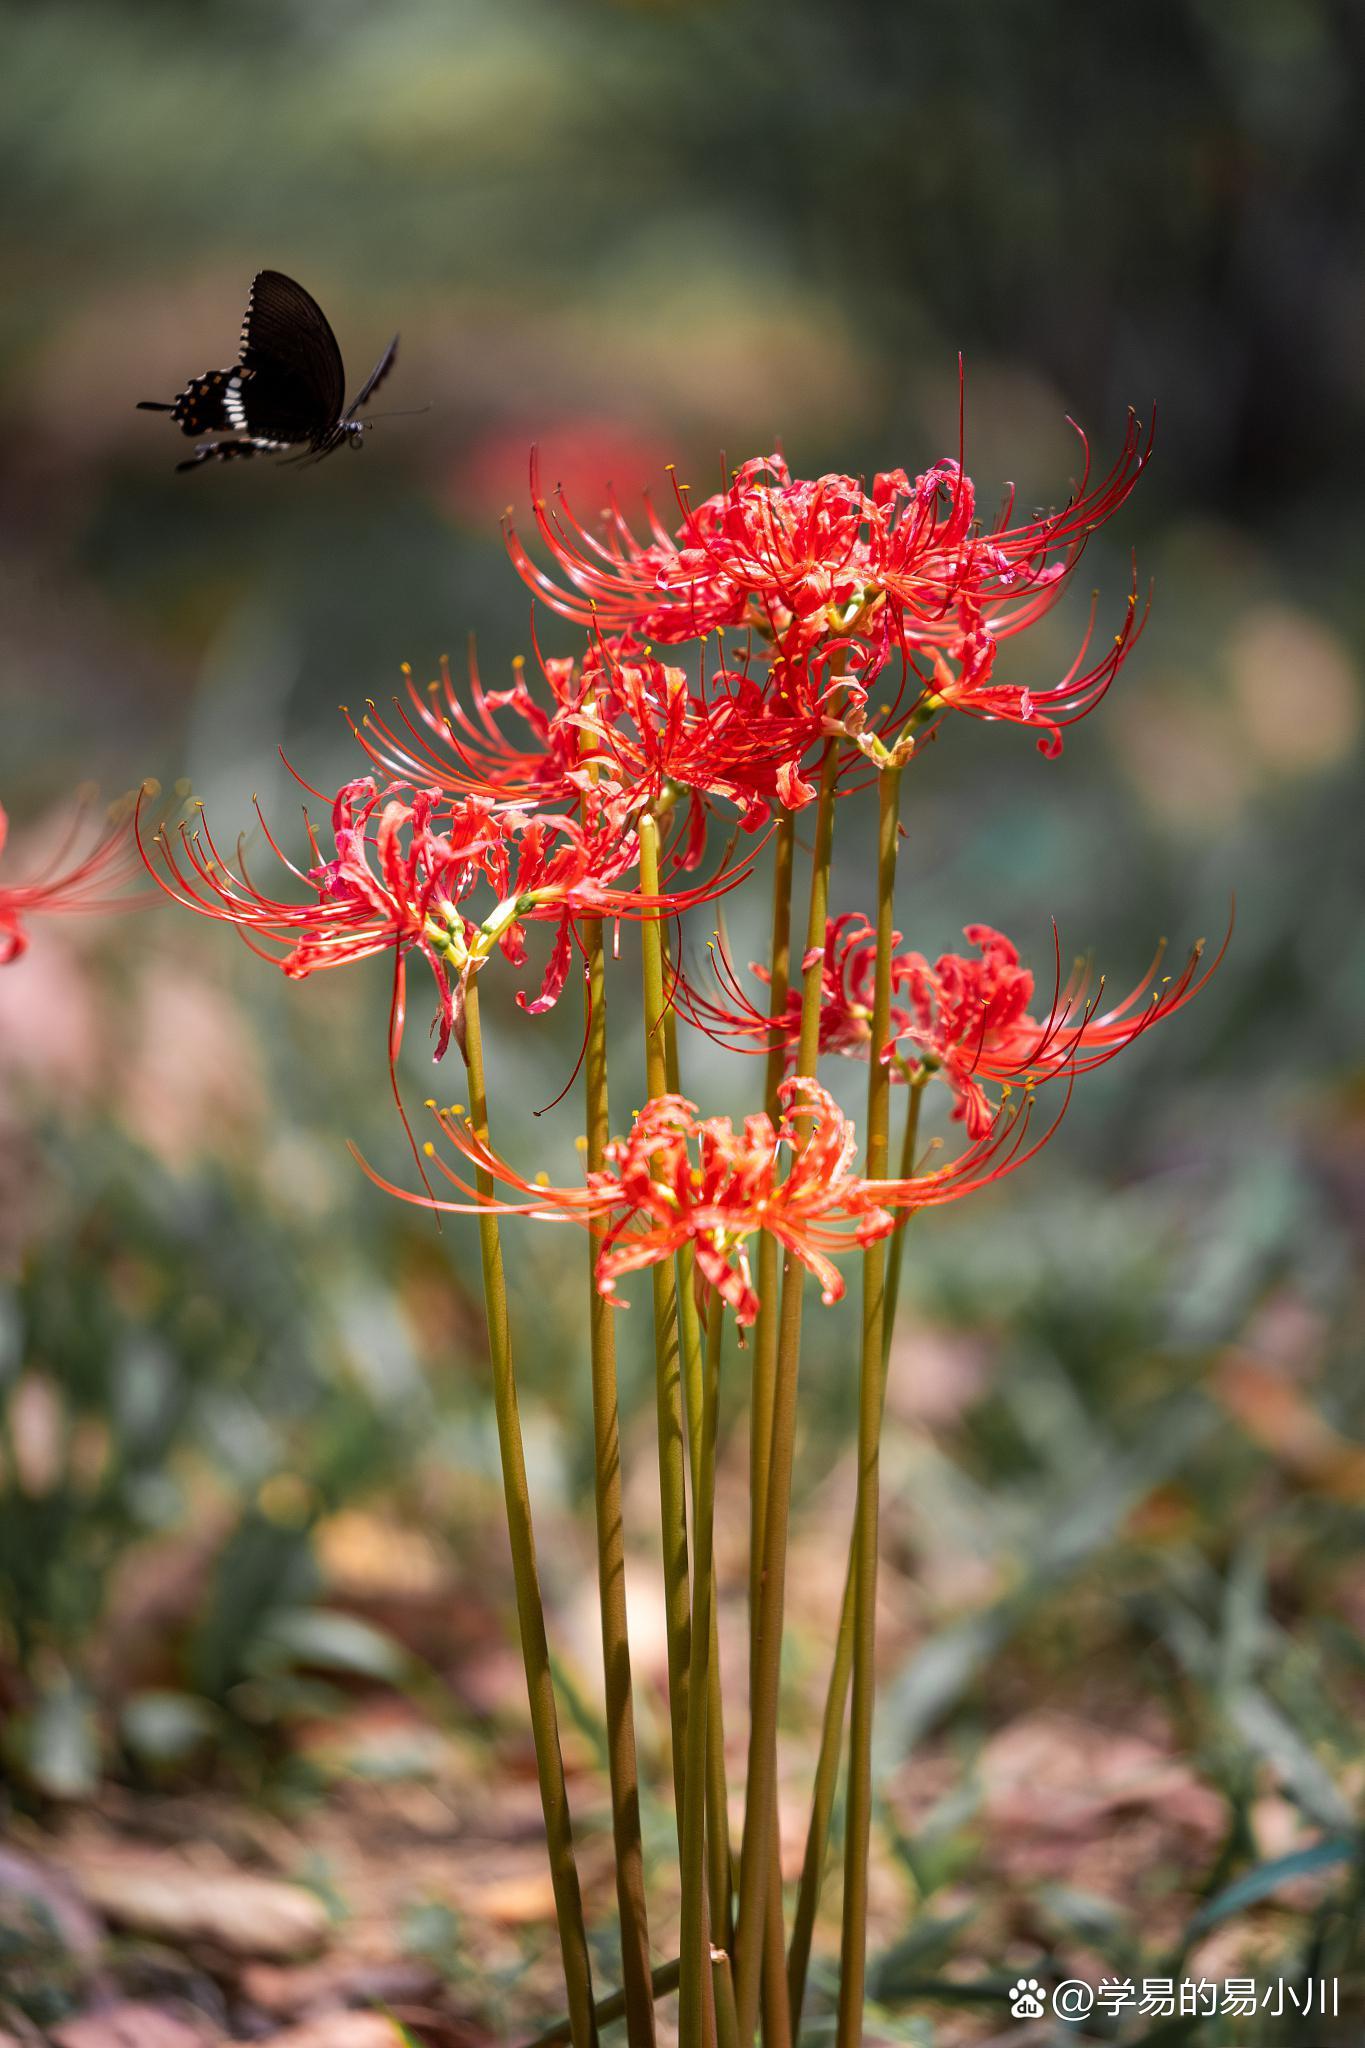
[1125,1473]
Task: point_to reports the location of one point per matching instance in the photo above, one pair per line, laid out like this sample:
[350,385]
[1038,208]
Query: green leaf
[1267,1878]
[926,1944]
[321,1639]
[166,1727]
[59,1742]
[1272,1735]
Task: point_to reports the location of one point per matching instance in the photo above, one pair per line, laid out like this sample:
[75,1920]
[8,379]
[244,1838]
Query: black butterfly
[286,389]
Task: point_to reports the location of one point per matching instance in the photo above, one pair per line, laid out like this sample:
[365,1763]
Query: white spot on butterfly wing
[233,404]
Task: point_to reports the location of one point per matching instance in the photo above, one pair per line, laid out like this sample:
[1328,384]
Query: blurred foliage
[1123,1450]
[177,1413]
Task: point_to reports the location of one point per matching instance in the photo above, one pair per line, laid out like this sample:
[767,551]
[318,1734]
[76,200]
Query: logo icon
[1026,1999]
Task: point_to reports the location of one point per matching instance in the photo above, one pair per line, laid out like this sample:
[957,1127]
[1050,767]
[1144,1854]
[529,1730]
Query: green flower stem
[896,1243]
[765,1330]
[719,1929]
[695,1985]
[581,2026]
[775,2003]
[663,1979]
[836,1699]
[717,1801]
[760,1811]
[625,1788]
[857,1831]
[727,2024]
[667,1351]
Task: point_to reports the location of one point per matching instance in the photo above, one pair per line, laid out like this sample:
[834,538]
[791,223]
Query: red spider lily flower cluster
[849,967]
[908,568]
[679,1179]
[405,873]
[66,883]
[642,732]
[489,812]
[971,1020]
[967,1019]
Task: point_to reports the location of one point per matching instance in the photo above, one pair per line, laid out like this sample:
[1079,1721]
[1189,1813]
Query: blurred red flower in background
[65,884]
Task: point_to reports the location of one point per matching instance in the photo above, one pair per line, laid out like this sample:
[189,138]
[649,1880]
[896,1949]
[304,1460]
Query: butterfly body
[285,394]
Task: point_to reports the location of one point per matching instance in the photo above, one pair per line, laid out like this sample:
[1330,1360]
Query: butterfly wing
[208,405]
[293,383]
[375,379]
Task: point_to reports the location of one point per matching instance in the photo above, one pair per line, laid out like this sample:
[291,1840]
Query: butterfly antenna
[407,412]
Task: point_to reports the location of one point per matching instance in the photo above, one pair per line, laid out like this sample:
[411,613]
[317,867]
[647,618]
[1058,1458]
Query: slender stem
[581,2026]
[625,1788]
[718,1919]
[722,1976]
[667,1356]
[693,1946]
[663,1979]
[836,1698]
[896,1243]
[776,2017]
[858,1824]
[765,1330]
[760,1808]
[717,1801]
[775,2003]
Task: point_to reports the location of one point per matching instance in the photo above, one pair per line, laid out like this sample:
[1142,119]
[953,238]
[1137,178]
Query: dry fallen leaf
[177,1902]
[527,1901]
[1056,1775]
[137,2024]
[1283,1421]
[340,2030]
[301,1990]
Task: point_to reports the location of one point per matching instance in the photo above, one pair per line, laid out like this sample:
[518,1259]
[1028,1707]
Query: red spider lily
[443,739]
[803,563]
[963,675]
[567,868]
[394,882]
[970,1019]
[653,734]
[403,875]
[679,1179]
[65,884]
[929,553]
[624,723]
[967,1019]
[785,557]
[850,962]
